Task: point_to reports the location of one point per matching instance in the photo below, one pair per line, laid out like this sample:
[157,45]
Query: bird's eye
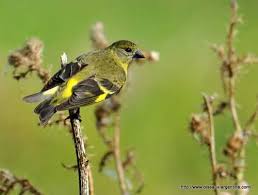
[128,49]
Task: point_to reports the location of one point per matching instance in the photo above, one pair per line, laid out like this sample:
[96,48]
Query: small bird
[90,78]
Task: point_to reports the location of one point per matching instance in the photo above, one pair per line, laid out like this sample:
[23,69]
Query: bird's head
[126,51]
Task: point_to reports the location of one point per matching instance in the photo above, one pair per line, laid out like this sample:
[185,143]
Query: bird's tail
[37,97]
[45,110]
[41,96]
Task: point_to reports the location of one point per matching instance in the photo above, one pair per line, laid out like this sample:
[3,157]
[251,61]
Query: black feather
[45,111]
[109,85]
[42,105]
[64,74]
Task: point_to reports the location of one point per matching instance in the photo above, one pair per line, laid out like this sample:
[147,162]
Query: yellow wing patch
[105,93]
[101,97]
[69,87]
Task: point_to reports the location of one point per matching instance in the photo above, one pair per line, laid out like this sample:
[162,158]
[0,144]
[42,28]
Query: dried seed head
[152,56]
[27,60]
[198,123]
[33,49]
[198,126]
[233,146]
[28,55]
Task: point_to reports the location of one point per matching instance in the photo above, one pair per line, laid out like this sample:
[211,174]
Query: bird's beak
[138,54]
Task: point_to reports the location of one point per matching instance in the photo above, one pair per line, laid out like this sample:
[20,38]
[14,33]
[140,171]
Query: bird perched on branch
[91,78]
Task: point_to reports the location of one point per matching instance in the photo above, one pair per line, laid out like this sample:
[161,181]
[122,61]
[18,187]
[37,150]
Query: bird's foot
[74,114]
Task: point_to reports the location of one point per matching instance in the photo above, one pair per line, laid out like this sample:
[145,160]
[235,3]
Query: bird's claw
[74,115]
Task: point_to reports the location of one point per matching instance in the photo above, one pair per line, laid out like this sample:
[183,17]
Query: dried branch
[117,156]
[212,149]
[231,66]
[82,161]
[252,119]
[103,112]
[91,181]
[8,182]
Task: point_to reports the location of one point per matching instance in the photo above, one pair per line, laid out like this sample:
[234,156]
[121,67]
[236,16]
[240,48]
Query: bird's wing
[89,91]
[64,74]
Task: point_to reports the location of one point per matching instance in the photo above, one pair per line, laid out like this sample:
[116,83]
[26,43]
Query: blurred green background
[158,103]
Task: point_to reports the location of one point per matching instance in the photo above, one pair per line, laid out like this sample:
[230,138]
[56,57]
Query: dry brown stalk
[82,161]
[91,181]
[212,149]
[117,156]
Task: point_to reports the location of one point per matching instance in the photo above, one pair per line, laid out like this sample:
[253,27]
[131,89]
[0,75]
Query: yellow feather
[69,86]
[105,90]
[123,65]
[104,95]
[101,97]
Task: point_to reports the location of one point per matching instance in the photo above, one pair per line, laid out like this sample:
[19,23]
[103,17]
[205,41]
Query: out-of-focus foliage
[159,99]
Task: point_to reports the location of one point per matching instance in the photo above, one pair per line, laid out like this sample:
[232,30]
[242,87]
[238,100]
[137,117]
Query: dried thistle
[230,67]
[234,145]
[27,60]
[198,126]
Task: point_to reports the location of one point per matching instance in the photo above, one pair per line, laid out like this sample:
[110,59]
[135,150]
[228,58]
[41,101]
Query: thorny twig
[8,182]
[107,115]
